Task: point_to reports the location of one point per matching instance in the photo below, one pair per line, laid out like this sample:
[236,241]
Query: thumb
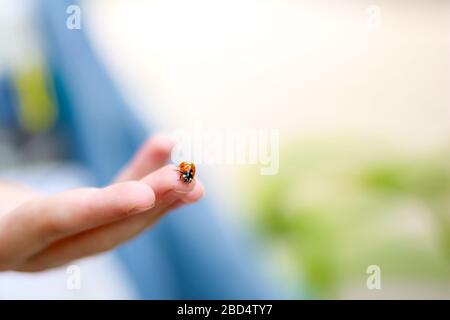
[39,222]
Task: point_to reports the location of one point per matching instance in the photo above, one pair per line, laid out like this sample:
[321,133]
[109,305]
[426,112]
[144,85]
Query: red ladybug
[187,171]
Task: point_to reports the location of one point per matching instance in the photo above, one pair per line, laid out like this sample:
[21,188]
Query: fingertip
[153,154]
[140,195]
[160,145]
[195,195]
[132,195]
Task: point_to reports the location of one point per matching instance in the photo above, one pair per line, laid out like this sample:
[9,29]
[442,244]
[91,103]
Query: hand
[40,232]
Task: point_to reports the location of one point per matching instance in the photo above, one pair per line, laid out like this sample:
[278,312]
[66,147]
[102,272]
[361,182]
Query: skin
[39,232]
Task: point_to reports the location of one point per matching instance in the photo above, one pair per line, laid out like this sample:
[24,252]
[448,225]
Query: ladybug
[187,171]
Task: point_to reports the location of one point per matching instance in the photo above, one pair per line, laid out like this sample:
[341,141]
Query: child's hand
[45,232]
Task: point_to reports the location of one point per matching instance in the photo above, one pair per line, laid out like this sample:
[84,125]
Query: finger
[40,222]
[107,237]
[189,198]
[167,179]
[196,194]
[151,156]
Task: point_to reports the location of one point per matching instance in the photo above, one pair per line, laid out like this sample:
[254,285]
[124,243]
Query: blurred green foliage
[338,207]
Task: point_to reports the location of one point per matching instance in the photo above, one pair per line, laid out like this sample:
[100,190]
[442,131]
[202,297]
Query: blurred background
[359,91]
